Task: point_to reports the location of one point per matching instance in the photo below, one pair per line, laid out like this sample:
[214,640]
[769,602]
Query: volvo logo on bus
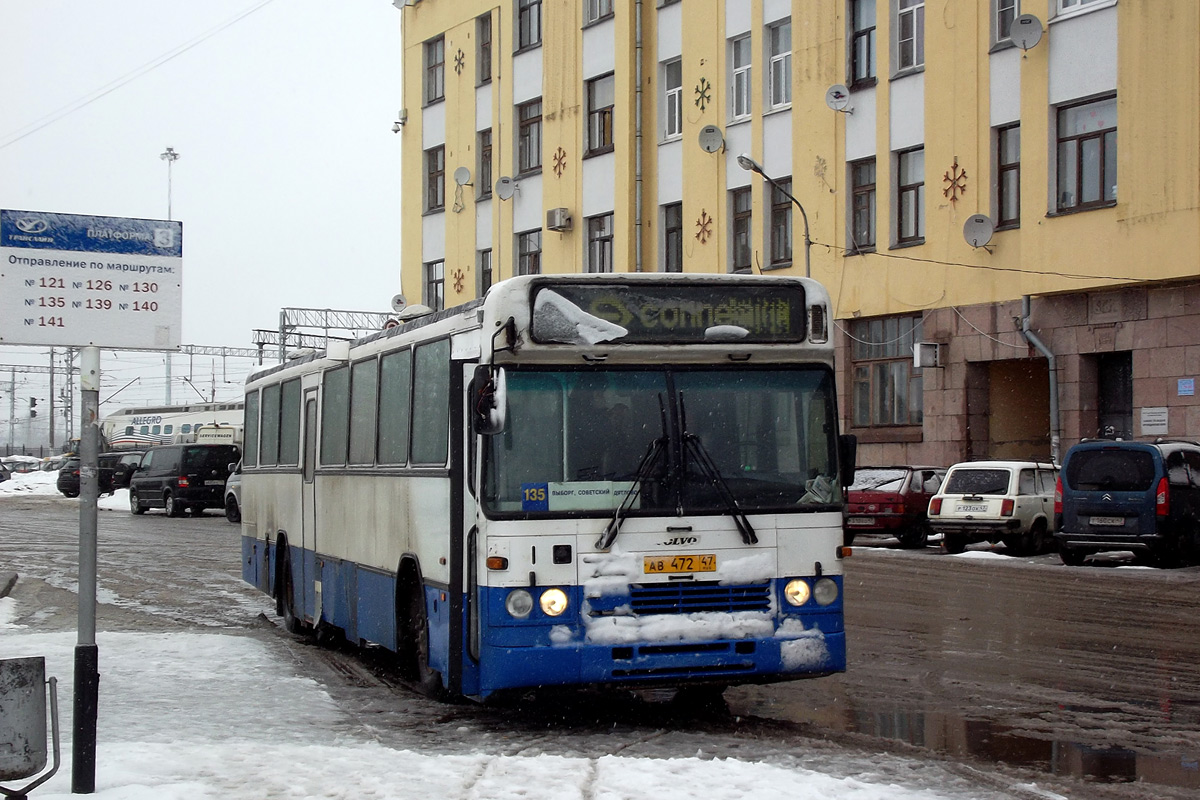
[680,540]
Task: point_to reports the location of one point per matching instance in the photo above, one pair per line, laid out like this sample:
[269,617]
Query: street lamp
[170,156]
[750,165]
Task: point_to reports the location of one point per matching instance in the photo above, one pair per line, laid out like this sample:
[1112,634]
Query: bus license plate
[1115,522]
[659,565]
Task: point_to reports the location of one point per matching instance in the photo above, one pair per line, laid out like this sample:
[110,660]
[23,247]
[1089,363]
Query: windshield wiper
[709,469]
[647,465]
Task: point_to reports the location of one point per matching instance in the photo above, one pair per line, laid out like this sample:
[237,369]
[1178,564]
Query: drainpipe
[637,149]
[1031,337]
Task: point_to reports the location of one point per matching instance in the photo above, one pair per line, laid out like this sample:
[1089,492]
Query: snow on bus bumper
[656,649]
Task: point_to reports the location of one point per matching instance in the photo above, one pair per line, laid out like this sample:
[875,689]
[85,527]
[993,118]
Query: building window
[596,10]
[529,23]
[600,99]
[781,224]
[484,259]
[1087,155]
[435,70]
[529,252]
[600,243]
[1005,11]
[1073,5]
[887,390]
[910,197]
[739,204]
[739,85]
[435,178]
[910,34]
[673,237]
[1008,176]
[672,72]
[862,205]
[484,169]
[483,41]
[779,40]
[862,42]
[529,136]
[435,284]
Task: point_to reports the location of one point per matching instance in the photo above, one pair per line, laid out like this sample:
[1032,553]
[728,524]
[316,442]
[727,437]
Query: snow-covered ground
[26,484]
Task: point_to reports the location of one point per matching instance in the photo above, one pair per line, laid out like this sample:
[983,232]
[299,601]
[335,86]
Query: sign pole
[87,656]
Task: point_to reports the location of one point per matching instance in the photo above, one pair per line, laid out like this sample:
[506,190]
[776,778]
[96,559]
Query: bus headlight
[796,591]
[519,603]
[825,592]
[553,602]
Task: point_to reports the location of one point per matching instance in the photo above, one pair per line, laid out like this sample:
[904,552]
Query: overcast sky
[288,178]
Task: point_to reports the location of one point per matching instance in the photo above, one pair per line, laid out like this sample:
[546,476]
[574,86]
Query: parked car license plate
[973,508]
[657,565]
[1115,522]
[214,483]
[861,521]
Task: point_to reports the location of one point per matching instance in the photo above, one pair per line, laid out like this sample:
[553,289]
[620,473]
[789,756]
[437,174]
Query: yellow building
[949,171]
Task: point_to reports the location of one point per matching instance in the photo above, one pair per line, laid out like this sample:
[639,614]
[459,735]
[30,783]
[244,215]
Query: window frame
[916,42]
[600,244]
[435,70]
[1004,169]
[779,65]
[1004,12]
[596,11]
[483,263]
[1102,136]
[483,49]
[529,24]
[529,259]
[529,129]
[435,179]
[863,200]
[780,232]
[599,130]
[484,169]
[362,434]
[672,101]
[741,226]
[672,236]
[879,349]
[862,33]
[914,189]
[433,283]
[741,106]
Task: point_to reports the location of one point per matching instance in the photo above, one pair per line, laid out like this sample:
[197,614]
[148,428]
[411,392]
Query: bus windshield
[671,440]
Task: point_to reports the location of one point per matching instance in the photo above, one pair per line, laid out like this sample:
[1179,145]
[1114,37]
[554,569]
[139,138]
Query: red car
[892,501]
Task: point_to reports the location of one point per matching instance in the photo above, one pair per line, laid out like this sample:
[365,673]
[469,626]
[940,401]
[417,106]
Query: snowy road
[202,695]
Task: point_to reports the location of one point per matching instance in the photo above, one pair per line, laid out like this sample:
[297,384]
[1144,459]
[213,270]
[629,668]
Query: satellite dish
[462,176]
[1025,31]
[506,187]
[398,303]
[978,229]
[837,97]
[711,139]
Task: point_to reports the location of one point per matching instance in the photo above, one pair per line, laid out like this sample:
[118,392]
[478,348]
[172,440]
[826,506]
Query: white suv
[996,501]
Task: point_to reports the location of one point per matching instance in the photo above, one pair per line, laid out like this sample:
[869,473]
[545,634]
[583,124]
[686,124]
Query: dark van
[178,477]
[1139,496]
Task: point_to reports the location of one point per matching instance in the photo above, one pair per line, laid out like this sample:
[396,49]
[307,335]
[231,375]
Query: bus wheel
[172,506]
[285,598]
[412,632]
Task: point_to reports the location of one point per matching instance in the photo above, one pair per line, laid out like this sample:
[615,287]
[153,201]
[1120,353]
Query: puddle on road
[990,741]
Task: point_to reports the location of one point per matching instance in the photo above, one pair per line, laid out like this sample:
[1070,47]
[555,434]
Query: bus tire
[412,645]
[285,595]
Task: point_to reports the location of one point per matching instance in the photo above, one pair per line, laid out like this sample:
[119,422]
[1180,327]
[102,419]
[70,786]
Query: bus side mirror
[490,400]
[847,453]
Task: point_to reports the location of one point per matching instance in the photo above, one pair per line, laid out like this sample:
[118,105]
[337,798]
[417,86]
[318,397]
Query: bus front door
[312,599]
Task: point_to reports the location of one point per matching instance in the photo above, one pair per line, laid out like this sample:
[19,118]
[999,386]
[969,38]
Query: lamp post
[749,164]
[170,156]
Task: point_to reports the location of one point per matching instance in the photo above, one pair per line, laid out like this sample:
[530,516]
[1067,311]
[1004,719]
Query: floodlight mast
[750,165]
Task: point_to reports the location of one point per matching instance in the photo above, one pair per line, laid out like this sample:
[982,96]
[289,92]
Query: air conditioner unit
[927,354]
[558,219]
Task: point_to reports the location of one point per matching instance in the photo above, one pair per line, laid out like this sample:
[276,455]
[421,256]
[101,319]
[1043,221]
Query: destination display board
[77,280]
[688,312]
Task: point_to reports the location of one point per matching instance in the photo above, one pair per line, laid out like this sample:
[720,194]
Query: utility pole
[170,156]
[50,420]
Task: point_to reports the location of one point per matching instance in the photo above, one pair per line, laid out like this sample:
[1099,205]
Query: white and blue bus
[605,480]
